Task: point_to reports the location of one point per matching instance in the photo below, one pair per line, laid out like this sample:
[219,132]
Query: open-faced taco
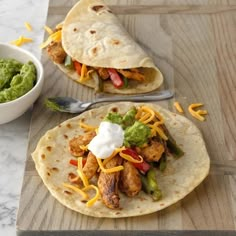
[93,48]
[122,160]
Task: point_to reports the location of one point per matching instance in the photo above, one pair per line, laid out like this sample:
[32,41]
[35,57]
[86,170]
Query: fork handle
[162,95]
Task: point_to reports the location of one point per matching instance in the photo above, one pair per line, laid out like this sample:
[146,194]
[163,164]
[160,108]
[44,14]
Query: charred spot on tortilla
[115,42]
[94,50]
[97,8]
[69,126]
[92,31]
[48,174]
[114,109]
[49,148]
[75,29]
[55,169]
[65,136]
[67,192]
[82,120]
[43,156]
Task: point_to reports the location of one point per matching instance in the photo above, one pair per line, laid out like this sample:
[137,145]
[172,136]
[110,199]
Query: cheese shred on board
[21,40]
[28,26]
[178,107]
[199,113]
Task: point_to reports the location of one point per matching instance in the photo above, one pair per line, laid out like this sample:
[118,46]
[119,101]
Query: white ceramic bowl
[13,109]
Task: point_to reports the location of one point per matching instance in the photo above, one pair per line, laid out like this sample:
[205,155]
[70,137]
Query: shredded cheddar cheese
[157,130]
[197,114]
[116,151]
[151,116]
[85,74]
[81,173]
[48,29]
[110,170]
[95,198]
[86,127]
[21,40]
[78,190]
[130,158]
[152,119]
[83,147]
[28,26]
[159,117]
[178,107]
[56,37]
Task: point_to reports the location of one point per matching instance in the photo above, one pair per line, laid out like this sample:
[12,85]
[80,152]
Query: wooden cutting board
[193,44]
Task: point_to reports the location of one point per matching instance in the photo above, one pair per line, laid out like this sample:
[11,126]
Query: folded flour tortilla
[93,36]
[181,176]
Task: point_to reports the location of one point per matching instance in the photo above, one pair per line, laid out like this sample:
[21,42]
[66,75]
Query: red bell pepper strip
[143,166]
[75,162]
[115,78]
[77,67]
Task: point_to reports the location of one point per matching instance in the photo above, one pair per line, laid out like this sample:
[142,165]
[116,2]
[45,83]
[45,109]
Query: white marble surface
[13,136]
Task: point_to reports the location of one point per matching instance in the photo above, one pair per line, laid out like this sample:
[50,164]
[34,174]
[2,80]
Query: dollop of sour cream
[109,137]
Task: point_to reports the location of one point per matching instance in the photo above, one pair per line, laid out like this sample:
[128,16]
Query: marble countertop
[13,135]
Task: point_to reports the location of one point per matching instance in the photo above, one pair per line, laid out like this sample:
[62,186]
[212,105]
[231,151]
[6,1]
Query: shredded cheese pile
[151,118]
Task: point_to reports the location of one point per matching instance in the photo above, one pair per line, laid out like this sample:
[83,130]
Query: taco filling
[119,78]
[123,155]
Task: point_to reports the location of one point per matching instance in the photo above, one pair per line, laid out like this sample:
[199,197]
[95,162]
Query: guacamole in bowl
[16,78]
[21,81]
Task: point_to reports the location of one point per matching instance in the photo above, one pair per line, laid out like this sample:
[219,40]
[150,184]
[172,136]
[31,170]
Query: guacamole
[136,133]
[16,79]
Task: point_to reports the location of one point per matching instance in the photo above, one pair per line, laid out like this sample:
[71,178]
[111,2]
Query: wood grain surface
[194,45]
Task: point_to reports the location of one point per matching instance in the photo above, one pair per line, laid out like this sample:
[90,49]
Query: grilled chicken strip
[75,143]
[56,52]
[130,181]
[153,152]
[103,73]
[132,74]
[91,166]
[108,184]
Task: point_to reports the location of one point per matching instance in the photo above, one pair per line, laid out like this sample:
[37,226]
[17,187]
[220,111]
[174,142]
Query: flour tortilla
[179,179]
[94,36]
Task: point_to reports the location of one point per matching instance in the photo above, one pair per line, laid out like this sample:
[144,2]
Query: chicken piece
[89,169]
[108,184]
[130,181]
[56,52]
[75,143]
[153,152]
[132,75]
[91,166]
[103,73]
